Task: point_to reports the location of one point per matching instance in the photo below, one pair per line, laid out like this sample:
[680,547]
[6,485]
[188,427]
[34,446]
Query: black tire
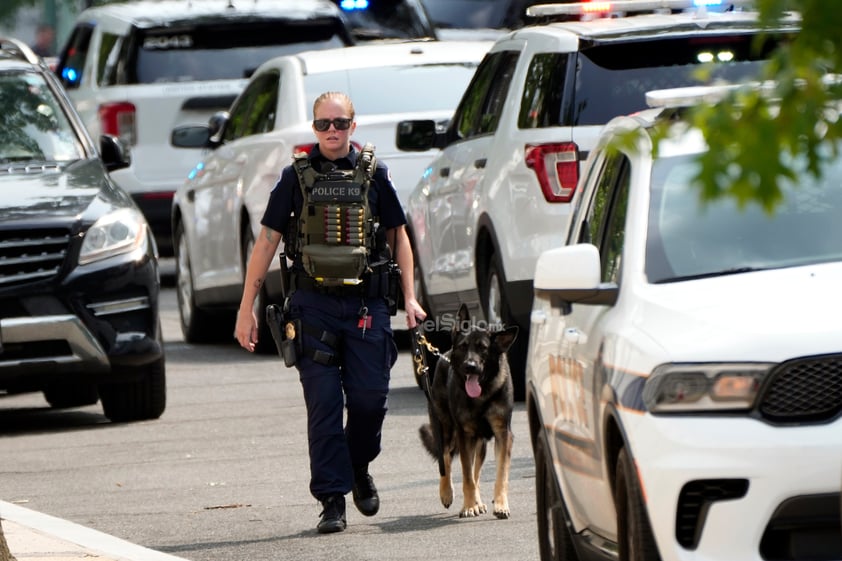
[197,325]
[64,395]
[141,397]
[496,310]
[555,540]
[634,532]
[265,343]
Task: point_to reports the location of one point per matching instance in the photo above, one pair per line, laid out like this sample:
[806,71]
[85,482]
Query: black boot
[333,515]
[365,493]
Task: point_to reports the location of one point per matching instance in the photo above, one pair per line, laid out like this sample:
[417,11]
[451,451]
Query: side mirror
[190,136]
[419,136]
[114,153]
[217,124]
[571,274]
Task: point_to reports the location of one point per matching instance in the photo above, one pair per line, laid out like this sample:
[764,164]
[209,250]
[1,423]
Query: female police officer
[347,331]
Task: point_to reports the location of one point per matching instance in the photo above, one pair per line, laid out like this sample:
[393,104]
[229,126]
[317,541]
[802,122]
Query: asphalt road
[223,473]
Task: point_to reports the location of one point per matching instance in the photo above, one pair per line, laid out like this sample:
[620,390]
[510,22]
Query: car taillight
[557,168]
[118,119]
[303,148]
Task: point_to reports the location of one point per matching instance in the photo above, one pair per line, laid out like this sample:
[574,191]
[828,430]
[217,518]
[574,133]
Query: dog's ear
[464,314]
[504,339]
[461,323]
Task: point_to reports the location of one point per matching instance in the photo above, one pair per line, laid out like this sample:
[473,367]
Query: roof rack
[613,8]
[17,49]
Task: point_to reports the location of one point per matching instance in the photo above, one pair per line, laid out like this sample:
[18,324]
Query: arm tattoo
[269,235]
[258,283]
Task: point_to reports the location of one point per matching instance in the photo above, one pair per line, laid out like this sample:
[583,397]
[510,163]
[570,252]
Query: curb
[32,532]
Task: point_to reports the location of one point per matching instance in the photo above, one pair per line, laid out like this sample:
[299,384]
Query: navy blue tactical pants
[360,382]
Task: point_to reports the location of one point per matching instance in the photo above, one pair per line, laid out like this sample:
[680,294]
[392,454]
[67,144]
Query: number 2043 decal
[168,42]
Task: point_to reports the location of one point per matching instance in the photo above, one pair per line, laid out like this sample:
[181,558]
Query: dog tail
[428,440]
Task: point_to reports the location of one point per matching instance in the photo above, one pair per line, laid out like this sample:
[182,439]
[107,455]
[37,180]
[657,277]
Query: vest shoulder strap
[366,164]
[307,176]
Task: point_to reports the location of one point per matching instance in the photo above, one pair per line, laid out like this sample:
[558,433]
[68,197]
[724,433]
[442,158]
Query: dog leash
[422,371]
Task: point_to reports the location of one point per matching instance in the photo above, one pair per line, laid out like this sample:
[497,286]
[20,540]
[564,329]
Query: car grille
[31,255]
[803,390]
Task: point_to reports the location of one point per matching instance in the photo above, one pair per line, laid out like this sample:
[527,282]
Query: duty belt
[373,285]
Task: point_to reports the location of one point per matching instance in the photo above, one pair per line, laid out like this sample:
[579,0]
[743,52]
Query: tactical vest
[335,232]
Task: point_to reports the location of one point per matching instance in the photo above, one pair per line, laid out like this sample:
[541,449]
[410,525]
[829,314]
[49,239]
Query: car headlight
[116,233]
[693,388]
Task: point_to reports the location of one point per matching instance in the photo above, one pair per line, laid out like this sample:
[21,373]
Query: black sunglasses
[340,123]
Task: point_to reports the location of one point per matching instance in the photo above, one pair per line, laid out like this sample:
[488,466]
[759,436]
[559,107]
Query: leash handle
[419,359]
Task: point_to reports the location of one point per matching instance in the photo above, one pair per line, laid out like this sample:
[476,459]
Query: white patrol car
[138,69]
[684,378]
[217,210]
[499,192]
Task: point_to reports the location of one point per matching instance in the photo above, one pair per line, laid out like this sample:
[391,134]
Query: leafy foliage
[753,132]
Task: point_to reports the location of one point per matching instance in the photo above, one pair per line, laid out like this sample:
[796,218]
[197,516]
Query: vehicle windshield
[468,14]
[480,14]
[689,239]
[428,87]
[33,126]
[385,19]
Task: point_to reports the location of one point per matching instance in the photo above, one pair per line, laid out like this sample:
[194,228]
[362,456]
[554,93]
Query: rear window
[219,52]
[430,87]
[612,79]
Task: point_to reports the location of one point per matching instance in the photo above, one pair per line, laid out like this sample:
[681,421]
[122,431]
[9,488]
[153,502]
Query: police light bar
[597,7]
[353,5]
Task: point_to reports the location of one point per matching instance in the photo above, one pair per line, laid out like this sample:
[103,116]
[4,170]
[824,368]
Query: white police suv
[498,193]
[684,378]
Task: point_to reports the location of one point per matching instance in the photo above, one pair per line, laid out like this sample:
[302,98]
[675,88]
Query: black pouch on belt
[393,287]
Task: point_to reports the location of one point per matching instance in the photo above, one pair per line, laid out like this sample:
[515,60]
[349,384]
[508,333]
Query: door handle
[479,164]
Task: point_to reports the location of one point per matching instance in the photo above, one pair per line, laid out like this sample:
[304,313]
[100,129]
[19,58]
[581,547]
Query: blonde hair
[335,96]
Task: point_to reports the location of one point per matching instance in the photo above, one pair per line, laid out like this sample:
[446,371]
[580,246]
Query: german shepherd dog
[471,400]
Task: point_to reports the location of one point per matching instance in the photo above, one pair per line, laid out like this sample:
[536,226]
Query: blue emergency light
[353,5]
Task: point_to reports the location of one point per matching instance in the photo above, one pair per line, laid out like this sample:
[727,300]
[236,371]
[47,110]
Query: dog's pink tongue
[472,387]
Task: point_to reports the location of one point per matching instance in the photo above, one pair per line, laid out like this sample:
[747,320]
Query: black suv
[79,279]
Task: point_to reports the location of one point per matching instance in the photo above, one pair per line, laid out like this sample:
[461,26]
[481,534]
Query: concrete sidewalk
[33,536]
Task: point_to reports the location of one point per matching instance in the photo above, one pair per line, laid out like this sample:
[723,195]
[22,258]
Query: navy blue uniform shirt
[286,198]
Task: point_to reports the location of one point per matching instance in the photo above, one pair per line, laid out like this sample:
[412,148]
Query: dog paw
[501,511]
[446,495]
[471,511]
